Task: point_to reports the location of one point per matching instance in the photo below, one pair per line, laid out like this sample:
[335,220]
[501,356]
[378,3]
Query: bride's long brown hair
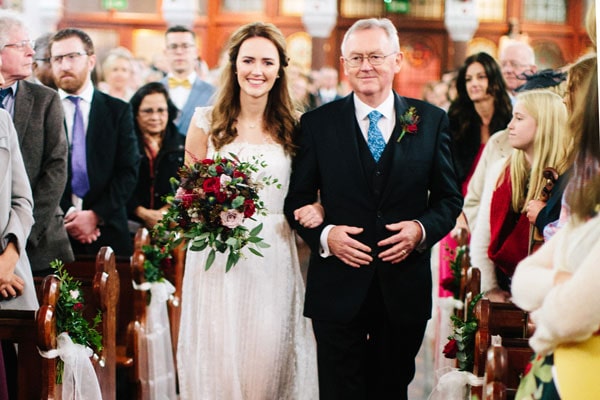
[278,118]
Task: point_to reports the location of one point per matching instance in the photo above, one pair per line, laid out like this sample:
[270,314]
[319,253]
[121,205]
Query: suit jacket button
[378,173]
[379,214]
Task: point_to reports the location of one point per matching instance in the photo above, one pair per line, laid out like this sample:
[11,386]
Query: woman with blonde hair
[560,284]
[117,70]
[243,335]
[537,132]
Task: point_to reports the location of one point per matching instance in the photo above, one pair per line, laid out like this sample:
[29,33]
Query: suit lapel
[23,109]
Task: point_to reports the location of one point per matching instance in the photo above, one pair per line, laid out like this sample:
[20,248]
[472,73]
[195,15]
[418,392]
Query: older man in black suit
[38,119]
[103,157]
[382,166]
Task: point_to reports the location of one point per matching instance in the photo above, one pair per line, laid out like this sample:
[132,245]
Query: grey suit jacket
[201,95]
[16,217]
[38,119]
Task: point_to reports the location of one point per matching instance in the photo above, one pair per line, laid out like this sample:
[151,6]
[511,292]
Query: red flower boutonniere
[408,122]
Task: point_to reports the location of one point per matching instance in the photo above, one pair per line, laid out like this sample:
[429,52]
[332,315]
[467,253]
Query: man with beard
[186,89]
[103,158]
[38,118]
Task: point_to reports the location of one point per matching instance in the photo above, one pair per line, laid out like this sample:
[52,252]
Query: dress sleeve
[203,118]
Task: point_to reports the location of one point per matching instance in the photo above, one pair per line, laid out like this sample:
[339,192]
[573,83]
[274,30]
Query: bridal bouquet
[213,199]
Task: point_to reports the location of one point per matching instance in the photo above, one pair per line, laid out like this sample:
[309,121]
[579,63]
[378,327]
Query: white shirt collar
[386,108]
[86,95]
[191,77]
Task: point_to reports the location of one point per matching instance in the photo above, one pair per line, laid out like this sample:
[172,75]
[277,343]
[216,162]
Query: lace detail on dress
[203,118]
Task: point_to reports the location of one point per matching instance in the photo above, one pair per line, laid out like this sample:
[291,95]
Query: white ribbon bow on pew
[454,385]
[161,366]
[79,378]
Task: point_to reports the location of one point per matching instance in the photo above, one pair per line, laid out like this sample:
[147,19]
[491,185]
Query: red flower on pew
[450,349]
[78,306]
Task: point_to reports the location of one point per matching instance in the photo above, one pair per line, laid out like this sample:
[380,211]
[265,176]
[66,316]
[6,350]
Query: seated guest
[537,132]
[560,283]
[161,149]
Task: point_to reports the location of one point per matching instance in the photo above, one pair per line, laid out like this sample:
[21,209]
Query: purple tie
[79,177]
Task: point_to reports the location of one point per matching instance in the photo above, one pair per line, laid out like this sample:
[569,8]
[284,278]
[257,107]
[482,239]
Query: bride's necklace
[253,124]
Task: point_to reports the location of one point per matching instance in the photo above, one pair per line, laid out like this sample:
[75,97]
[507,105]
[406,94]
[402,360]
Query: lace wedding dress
[242,333]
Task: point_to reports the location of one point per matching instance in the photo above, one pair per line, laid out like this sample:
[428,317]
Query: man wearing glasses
[38,118]
[382,167]
[186,89]
[103,156]
[516,59]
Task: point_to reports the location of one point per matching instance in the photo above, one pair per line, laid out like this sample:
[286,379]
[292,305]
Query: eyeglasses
[374,59]
[46,60]
[69,57]
[20,45]
[147,112]
[182,46]
[512,64]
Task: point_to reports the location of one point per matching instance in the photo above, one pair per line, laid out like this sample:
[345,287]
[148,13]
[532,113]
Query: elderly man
[38,118]
[382,167]
[516,59]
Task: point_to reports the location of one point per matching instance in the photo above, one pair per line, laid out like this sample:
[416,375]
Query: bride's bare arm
[310,216]
[196,142]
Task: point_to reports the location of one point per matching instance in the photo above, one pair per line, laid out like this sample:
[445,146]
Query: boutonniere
[408,122]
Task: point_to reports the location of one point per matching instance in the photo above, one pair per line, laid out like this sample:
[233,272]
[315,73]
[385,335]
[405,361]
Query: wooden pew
[504,319]
[33,329]
[175,276]
[505,365]
[19,327]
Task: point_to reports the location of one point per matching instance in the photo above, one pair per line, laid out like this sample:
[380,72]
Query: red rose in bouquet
[214,198]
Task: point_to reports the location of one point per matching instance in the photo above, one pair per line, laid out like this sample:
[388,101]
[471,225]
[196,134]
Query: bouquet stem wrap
[160,379]
[79,378]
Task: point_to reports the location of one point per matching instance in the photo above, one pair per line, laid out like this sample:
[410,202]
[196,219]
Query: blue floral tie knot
[375,139]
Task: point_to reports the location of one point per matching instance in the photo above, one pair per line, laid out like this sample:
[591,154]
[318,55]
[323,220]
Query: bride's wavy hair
[279,115]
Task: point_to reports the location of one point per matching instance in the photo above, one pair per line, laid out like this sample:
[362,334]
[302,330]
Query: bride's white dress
[243,335]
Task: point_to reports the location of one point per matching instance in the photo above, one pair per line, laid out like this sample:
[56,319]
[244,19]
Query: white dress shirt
[180,94]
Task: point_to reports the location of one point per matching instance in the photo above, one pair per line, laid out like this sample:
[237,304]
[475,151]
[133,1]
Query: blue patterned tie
[80,184]
[374,136]
[3,94]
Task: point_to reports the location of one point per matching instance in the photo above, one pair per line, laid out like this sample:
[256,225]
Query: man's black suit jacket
[421,185]
[112,165]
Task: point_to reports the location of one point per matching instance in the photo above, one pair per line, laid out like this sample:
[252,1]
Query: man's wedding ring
[403,252]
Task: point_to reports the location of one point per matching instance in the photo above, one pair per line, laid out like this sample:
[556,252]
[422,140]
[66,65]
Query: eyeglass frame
[183,46]
[72,56]
[148,112]
[379,59]
[20,45]
[513,64]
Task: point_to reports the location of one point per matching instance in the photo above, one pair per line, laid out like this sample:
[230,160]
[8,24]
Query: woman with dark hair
[161,149]
[243,335]
[481,108]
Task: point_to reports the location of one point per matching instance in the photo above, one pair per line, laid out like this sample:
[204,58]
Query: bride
[242,333]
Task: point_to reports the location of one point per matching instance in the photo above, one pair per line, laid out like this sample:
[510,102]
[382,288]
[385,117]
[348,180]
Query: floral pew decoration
[454,383]
[155,369]
[77,342]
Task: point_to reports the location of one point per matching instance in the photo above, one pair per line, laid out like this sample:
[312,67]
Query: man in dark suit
[381,165]
[103,157]
[186,89]
[38,118]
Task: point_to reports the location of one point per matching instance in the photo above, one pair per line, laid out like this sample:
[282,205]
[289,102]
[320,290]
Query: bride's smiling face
[257,66]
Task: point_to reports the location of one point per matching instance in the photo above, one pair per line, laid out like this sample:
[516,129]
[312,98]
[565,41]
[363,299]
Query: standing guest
[327,87]
[382,166]
[103,159]
[161,148]
[186,89]
[560,284]
[516,60]
[42,70]
[117,71]
[482,107]
[537,132]
[242,333]
[17,291]
[38,118]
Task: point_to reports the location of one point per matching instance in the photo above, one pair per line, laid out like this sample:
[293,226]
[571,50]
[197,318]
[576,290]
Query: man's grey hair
[523,49]
[374,23]
[9,21]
